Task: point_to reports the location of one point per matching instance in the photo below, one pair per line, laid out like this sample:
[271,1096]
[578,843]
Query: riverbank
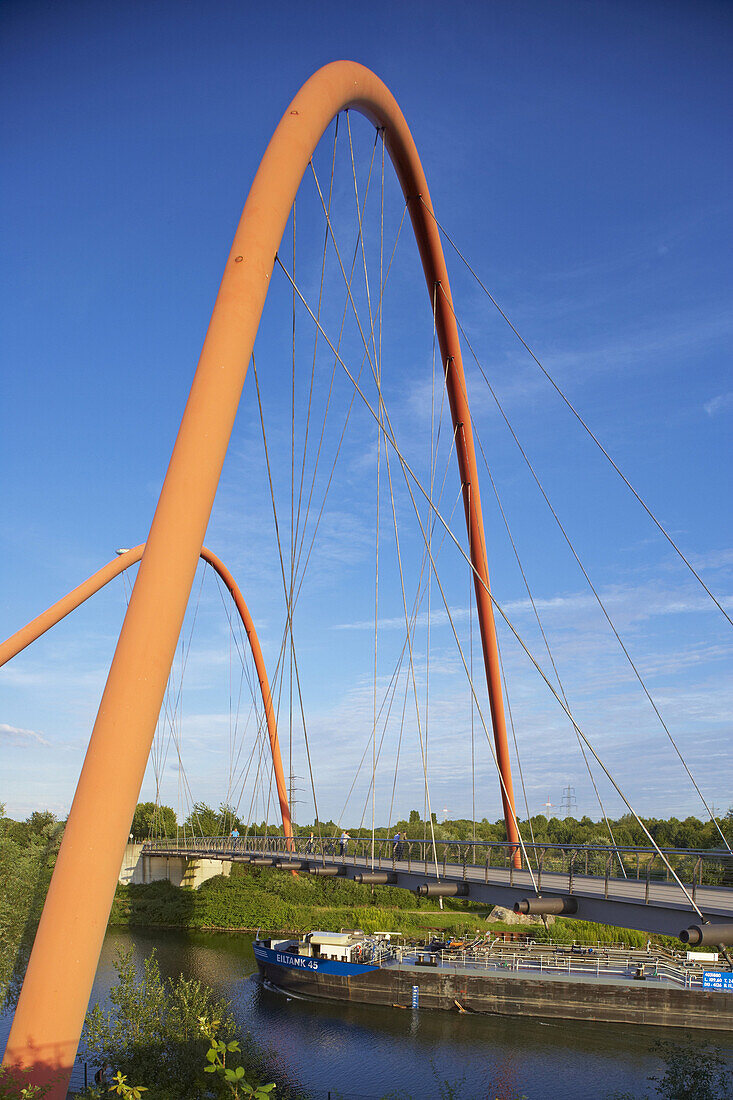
[262,898]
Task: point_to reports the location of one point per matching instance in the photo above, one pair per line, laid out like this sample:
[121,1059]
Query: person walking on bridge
[397,846]
[344,840]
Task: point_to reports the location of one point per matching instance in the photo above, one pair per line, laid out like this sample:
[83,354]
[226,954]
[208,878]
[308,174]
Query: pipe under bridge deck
[625,886]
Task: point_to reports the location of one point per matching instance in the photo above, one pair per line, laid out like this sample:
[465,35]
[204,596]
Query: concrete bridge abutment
[139,867]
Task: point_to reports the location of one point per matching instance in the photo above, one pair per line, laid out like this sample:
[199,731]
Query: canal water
[361,1052]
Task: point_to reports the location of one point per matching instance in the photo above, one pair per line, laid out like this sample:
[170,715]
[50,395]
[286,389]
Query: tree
[150,819]
[157,1033]
[27,856]
[203,821]
[415,817]
[692,1070]
[229,819]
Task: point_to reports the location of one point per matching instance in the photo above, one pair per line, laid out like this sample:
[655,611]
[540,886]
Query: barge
[546,981]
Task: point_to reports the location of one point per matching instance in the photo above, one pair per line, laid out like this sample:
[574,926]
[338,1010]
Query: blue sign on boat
[716,979]
[415,996]
[290,961]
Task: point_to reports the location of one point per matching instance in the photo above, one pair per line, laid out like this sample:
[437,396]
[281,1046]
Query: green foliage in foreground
[27,855]
[12,1089]
[234,1078]
[692,1071]
[158,1036]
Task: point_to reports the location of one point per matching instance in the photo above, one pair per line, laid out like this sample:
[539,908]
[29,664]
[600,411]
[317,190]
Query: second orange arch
[125,559]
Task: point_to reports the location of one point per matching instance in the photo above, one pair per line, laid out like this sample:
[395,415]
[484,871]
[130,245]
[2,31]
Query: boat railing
[652,969]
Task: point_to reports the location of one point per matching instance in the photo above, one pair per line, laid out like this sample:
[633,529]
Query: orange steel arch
[54,997]
[125,559]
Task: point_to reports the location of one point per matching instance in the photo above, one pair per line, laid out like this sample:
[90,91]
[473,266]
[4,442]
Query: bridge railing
[470,859]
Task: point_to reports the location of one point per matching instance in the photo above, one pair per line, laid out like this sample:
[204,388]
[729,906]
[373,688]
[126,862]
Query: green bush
[157,1035]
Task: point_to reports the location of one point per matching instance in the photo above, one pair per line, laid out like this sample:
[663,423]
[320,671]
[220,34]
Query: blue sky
[579,155]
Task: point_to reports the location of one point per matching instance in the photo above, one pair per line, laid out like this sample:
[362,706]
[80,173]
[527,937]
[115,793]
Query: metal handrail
[699,867]
[279,841]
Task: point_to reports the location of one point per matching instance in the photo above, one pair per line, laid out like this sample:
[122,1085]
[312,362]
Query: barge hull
[601,1002]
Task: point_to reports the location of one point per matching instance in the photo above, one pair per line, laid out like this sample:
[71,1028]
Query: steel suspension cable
[240,648]
[470,651]
[318,329]
[455,633]
[559,700]
[592,587]
[282,569]
[548,648]
[516,748]
[392,688]
[411,477]
[317,334]
[289,591]
[360,210]
[379,361]
[348,283]
[290,598]
[172,710]
[407,469]
[372,364]
[338,344]
[409,643]
[577,415]
[551,687]
[433,463]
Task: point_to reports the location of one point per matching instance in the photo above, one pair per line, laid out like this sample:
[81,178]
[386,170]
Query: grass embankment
[252,898]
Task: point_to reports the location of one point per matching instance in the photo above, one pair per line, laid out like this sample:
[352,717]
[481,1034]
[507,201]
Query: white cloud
[715,559]
[627,604]
[719,404]
[16,735]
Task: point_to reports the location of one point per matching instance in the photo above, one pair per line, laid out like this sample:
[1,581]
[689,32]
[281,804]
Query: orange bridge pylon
[50,1012]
